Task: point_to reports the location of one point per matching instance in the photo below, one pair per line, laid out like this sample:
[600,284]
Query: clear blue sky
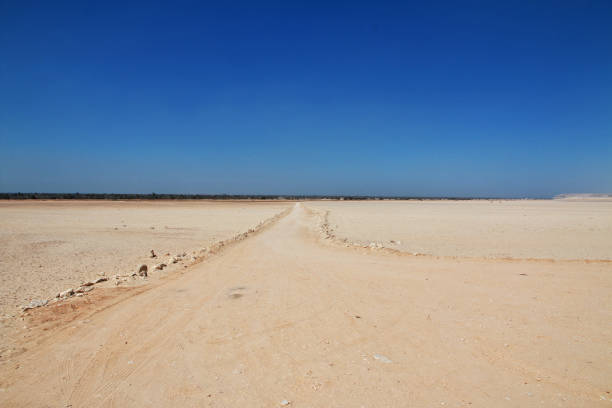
[467,98]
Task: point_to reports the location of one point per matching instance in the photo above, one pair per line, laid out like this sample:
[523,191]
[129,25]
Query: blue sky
[467,98]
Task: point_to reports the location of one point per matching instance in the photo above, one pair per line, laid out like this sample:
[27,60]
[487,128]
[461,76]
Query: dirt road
[282,319]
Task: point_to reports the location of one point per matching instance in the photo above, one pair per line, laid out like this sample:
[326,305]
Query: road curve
[283,319]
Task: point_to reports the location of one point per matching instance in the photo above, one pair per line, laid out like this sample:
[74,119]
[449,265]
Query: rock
[66,293]
[34,304]
[153,254]
[160,266]
[285,402]
[102,279]
[381,358]
[142,270]
[83,289]
[173,260]
[90,283]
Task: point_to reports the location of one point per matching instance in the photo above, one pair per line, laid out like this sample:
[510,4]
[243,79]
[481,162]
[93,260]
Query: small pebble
[381,358]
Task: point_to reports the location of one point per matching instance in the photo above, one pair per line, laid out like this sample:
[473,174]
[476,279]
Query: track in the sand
[281,316]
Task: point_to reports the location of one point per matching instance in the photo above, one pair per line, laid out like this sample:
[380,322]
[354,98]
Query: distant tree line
[154,196]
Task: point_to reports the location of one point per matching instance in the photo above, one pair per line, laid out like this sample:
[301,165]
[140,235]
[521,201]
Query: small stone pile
[85,287]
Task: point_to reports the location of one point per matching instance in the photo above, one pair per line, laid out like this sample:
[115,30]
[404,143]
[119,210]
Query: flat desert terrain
[47,247]
[542,229]
[510,308]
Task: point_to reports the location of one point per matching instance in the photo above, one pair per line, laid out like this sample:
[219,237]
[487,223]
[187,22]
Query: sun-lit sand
[549,229]
[513,310]
[50,246]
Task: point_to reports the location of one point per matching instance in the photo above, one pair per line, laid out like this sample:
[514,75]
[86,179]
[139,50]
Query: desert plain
[480,303]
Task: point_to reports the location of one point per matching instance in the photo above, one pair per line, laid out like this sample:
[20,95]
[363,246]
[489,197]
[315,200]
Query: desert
[304,311]
[578,229]
[312,204]
[57,245]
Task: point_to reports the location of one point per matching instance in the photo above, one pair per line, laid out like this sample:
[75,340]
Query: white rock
[34,304]
[84,289]
[66,293]
[381,358]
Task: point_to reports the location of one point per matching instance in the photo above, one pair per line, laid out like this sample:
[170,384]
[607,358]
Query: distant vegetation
[154,196]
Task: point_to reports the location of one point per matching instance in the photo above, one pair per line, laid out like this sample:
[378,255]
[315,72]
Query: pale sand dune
[284,318]
[50,246]
[548,229]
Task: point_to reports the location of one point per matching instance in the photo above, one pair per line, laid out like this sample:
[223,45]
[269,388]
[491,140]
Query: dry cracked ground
[284,318]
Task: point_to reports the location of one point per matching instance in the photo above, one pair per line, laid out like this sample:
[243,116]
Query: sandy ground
[50,246]
[285,318]
[549,229]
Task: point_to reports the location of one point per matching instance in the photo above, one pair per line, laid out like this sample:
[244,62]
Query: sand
[544,229]
[288,318]
[50,246]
